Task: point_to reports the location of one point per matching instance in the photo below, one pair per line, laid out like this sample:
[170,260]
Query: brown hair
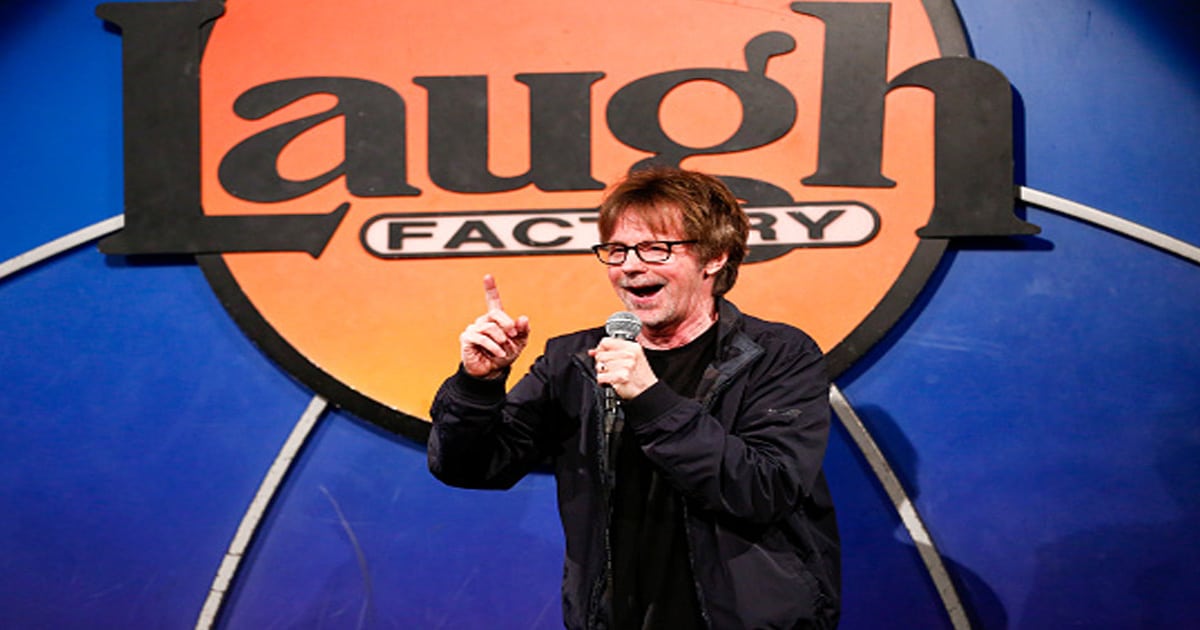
[708,213]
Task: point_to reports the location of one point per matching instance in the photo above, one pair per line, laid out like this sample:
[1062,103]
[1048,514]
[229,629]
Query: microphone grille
[623,325]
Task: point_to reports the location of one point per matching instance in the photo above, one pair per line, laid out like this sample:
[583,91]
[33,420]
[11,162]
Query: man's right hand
[491,344]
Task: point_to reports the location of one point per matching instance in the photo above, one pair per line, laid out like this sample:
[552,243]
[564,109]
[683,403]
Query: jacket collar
[734,348]
[735,351]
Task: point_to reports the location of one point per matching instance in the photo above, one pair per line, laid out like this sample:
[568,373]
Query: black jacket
[746,456]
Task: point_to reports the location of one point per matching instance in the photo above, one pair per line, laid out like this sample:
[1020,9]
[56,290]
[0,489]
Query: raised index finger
[491,294]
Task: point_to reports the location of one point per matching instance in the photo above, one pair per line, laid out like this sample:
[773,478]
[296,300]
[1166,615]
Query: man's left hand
[623,365]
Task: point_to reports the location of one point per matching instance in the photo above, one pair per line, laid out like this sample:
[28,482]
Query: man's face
[671,298]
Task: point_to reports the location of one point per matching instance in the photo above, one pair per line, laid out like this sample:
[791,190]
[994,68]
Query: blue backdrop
[1040,404]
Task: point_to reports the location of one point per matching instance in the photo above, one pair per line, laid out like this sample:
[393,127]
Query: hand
[623,365]
[491,344]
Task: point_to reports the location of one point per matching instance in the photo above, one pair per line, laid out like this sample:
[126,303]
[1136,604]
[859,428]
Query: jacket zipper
[719,385]
[595,615]
[709,398]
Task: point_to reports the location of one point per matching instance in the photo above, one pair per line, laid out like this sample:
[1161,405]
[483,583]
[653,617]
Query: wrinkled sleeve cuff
[642,410]
[481,390]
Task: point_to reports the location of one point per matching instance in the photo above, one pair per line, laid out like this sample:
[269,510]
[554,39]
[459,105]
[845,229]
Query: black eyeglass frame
[613,248]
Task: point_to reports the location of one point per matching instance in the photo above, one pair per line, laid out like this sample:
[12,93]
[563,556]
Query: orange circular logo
[362,165]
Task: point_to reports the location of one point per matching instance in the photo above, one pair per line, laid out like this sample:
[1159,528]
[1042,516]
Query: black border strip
[952,42]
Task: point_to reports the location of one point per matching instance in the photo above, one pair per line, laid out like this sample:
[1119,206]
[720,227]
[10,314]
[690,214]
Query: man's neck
[679,335]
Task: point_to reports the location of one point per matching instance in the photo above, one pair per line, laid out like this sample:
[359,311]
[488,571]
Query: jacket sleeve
[758,464]
[482,438]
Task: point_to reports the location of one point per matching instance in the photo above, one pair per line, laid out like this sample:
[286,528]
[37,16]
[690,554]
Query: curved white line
[60,245]
[904,507]
[275,475]
[1112,222]
[258,507]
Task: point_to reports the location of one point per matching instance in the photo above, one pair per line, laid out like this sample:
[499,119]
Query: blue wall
[1040,404]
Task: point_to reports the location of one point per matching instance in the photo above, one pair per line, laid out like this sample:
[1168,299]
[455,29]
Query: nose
[632,262]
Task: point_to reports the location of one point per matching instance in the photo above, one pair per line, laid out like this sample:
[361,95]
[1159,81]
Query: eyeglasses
[655,252]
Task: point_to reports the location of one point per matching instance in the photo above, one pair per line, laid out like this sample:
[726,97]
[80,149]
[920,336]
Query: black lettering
[521,232]
[763,223]
[397,232]
[973,191]
[374,162]
[850,147]
[559,124]
[816,229]
[973,145]
[474,232]
[769,110]
[162,45]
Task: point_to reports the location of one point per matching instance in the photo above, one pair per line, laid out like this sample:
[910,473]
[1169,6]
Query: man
[705,506]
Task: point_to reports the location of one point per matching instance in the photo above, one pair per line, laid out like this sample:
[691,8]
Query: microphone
[623,325]
[620,325]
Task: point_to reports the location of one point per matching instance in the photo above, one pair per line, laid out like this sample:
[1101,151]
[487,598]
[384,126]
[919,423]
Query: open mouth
[646,291]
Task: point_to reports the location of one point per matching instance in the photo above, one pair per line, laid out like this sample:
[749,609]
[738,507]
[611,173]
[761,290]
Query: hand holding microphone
[621,365]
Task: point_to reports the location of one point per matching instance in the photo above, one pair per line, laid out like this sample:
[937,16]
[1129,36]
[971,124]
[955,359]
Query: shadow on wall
[1084,577]
[16,12]
[982,606]
[1175,25]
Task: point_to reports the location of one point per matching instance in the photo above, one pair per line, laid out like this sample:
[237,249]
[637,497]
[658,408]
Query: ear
[715,265]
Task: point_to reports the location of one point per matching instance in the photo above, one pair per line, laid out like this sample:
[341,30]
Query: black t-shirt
[652,575]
